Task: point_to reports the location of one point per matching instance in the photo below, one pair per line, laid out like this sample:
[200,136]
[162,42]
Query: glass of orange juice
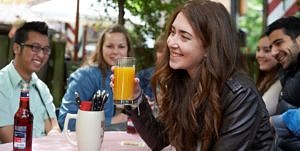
[124,73]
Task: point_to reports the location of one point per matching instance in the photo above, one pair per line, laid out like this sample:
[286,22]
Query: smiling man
[31,51]
[284,35]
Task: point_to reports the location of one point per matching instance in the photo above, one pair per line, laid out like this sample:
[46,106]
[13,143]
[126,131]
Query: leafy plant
[153,13]
[251,22]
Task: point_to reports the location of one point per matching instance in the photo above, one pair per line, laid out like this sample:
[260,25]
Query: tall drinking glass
[124,73]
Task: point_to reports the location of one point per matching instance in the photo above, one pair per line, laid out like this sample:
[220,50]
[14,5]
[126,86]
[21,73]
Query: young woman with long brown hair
[205,102]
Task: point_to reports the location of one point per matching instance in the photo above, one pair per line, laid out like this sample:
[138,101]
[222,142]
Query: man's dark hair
[290,26]
[21,34]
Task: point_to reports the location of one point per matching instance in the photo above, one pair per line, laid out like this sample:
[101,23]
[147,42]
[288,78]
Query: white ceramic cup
[89,130]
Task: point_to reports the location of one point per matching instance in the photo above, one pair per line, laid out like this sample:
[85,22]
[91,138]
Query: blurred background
[76,24]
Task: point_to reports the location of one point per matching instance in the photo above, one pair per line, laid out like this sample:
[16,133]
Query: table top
[113,141]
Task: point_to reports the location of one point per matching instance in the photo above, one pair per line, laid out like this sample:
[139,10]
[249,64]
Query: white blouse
[271,97]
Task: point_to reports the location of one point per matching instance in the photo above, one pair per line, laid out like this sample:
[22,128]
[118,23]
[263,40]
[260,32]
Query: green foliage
[251,22]
[153,13]
[298,14]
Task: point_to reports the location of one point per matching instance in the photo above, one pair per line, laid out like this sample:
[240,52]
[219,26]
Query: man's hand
[51,126]
[6,134]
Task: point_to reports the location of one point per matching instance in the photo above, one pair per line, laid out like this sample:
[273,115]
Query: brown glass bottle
[23,123]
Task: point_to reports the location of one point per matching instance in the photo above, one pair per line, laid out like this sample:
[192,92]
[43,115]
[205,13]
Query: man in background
[31,51]
[284,35]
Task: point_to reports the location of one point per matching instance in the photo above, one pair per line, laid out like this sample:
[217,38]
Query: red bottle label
[20,137]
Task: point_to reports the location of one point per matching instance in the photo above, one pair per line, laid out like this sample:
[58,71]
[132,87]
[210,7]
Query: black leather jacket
[245,120]
[290,95]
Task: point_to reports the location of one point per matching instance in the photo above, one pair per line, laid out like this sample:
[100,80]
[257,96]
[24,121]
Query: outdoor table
[112,142]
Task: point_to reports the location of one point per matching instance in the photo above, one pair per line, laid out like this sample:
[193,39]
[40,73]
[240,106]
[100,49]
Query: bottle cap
[86,105]
[24,86]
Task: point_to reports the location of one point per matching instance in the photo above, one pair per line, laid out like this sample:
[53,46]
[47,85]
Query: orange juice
[123,83]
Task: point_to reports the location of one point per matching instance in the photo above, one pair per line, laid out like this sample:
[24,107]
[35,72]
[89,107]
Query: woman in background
[268,82]
[94,75]
[146,74]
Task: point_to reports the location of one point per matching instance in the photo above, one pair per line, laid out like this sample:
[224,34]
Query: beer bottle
[23,123]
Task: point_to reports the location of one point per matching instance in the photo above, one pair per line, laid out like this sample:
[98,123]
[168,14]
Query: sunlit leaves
[251,22]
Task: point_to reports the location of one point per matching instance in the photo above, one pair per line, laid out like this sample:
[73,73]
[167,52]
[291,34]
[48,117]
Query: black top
[245,123]
[290,95]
